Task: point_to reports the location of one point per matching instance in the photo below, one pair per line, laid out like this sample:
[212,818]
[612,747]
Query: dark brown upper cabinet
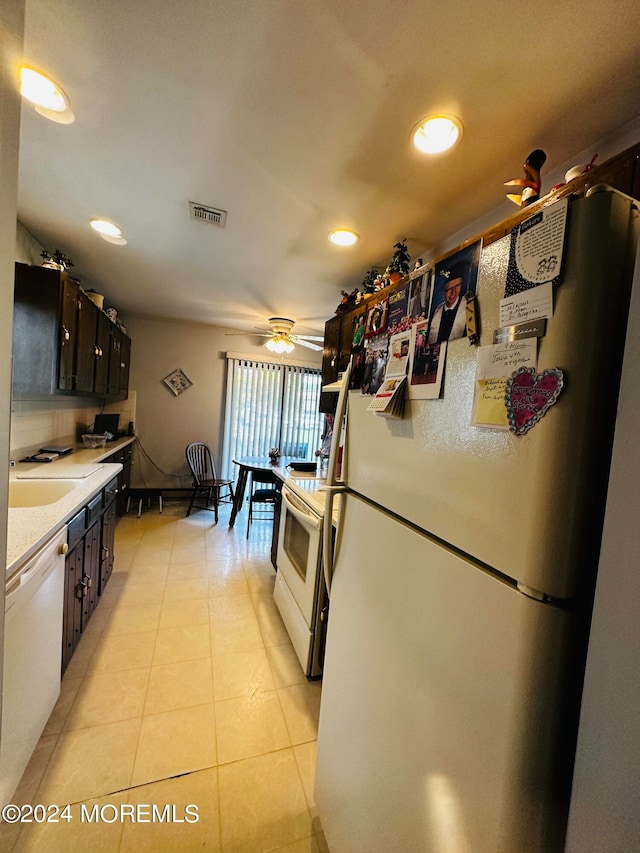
[62,342]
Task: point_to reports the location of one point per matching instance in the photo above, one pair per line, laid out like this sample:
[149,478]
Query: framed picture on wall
[177,382]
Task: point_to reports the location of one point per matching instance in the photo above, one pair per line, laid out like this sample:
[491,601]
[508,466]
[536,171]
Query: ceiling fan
[281,339]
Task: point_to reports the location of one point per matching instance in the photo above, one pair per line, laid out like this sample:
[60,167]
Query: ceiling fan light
[280,344]
[343,237]
[436,134]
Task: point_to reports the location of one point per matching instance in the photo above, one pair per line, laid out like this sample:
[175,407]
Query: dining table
[247,464]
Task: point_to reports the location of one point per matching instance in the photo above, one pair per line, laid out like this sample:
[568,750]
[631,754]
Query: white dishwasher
[32,657]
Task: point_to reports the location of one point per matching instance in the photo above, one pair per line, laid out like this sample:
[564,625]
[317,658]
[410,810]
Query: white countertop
[28,528]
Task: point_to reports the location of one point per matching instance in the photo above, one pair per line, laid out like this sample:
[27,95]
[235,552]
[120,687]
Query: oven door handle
[300,511]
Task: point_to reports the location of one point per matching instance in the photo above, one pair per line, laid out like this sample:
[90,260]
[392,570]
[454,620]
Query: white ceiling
[294,116]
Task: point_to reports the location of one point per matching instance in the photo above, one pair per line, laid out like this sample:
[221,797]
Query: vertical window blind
[270,405]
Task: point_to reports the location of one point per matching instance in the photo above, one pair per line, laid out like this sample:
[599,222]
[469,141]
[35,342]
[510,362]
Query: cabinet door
[74,591]
[86,344]
[36,329]
[348,330]
[125,356]
[330,355]
[103,344]
[113,384]
[68,334]
[91,571]
[108,539]
[125,458]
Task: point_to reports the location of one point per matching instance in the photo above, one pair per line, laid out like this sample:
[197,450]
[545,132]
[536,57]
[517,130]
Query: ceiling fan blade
[308,344]
[311,337]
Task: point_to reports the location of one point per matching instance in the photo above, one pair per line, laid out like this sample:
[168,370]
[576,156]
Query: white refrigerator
[462,581]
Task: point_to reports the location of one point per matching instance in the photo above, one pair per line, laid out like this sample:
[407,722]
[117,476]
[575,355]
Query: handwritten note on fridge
[494,366]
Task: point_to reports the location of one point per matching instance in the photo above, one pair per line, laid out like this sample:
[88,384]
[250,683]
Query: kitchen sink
[25,493]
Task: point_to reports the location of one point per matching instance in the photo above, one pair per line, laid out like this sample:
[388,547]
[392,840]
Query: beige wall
[166,424]
[36,421]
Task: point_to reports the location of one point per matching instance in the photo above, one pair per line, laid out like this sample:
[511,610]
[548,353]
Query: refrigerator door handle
[341,408]
[327,538]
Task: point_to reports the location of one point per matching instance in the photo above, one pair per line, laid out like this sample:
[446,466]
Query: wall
[166,424]
[36,421]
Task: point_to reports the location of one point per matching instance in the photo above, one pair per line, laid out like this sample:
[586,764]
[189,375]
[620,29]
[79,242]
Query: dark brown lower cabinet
[89,563]
[107,542]
[125,457]
[73,595]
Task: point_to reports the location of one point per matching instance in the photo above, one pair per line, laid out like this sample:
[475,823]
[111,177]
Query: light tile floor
[184,689]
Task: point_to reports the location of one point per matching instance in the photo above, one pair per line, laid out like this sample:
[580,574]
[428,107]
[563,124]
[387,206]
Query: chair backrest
[263,476]
[200,462]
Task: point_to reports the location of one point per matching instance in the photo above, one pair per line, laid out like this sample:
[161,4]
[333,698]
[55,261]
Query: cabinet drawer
[94,509]
[76,527]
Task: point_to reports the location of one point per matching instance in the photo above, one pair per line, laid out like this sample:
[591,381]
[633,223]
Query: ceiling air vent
[212,215]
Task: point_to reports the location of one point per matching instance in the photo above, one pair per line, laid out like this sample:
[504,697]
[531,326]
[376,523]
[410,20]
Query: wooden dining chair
[265,495]
[205,481]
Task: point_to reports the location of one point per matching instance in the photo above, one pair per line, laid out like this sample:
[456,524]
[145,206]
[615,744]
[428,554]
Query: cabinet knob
[63,549]
[65,334]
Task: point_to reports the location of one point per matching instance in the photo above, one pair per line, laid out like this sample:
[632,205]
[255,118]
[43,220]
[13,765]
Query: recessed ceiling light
[436,134]
[48,97]
[109,231]
[343,237]
[104,226]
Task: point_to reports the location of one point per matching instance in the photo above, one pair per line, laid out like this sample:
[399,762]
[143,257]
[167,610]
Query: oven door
[299,551]
[299,592]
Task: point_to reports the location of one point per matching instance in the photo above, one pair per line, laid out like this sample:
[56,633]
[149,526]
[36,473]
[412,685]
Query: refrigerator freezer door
[528,505]
[439,702]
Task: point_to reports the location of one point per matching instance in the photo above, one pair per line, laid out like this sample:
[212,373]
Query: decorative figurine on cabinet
[348,300]
[531,183]
[57,261]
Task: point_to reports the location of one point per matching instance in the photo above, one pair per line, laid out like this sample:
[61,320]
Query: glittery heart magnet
[529,395]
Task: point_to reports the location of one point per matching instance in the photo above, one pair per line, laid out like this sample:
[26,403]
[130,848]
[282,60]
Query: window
[270,405]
